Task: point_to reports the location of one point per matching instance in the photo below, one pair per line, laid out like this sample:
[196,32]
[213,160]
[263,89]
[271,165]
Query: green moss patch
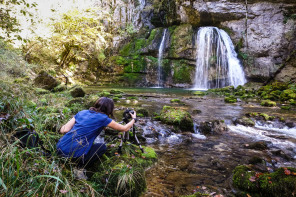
[178,117]
[282,181]
[268,103]
[230,99]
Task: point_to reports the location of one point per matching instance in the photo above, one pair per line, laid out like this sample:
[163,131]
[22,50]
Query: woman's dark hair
[104,105]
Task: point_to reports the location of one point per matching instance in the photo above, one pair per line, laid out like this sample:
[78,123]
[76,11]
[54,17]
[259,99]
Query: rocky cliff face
[264,33]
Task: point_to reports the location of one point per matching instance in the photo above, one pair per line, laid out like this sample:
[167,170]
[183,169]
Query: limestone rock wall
[264,33]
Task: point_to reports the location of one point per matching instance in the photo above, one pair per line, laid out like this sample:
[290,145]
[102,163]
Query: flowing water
[217,64]
[189,162]
[160,55]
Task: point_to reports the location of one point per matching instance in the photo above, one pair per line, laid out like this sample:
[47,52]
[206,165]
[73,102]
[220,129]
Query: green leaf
[3,185]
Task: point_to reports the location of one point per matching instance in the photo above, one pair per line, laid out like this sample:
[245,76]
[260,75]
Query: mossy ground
[282,182]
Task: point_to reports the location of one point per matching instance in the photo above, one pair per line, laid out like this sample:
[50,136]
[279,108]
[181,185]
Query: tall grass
[29,172]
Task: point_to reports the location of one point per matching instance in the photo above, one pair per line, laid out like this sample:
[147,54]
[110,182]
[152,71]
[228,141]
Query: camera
[126,114]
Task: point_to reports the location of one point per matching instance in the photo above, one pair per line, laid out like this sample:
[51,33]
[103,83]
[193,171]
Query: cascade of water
[142,3]
[160,54]
[217,64]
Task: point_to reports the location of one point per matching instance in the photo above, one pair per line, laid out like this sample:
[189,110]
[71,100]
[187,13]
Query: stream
[191,162]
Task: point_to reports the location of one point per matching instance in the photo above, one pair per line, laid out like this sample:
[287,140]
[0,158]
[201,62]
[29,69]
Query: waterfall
[160,54]
[217,64]
[142,3]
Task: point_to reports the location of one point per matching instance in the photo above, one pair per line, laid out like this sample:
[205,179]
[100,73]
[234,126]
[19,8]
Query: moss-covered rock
[199,93]
[268,103]
[260,145]
[117,92]
[104,94]
[181,71]
[178,117]
[288,94]
[46,81]
[260,116]
[115,99]
[286,107]
[230,99]
[282,182]
[77,92]
[142,111]
[175,101]
[245,121]
[181,41]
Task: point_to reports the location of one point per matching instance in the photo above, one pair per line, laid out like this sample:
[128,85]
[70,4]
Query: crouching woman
[81,131]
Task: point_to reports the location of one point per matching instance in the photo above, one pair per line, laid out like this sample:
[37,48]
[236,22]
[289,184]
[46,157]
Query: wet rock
[142,111]
[213,127]
[77,92]
[46,81]
[290,124]
[255,160]
[245,121]
[260,145]
[282,154]
[196,111]
[177,117]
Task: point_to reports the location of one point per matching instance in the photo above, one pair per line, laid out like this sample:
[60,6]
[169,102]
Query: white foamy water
[289,132]
[153,131]
[266,134]
[216,54]
[197,134]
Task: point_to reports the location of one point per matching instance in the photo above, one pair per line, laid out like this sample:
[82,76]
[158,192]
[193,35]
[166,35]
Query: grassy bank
[29,172]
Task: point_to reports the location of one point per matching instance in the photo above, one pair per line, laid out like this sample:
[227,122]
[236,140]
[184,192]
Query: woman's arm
[124,128]
[68,126]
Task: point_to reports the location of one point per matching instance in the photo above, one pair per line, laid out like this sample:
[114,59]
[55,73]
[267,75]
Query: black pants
[92,156]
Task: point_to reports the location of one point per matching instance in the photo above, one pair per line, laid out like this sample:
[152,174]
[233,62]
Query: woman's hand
[134,115]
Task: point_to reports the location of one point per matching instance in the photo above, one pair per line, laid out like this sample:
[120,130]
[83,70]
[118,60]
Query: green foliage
[124,172]
[127,31]
[12,64]
[9,23]
[79,36]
